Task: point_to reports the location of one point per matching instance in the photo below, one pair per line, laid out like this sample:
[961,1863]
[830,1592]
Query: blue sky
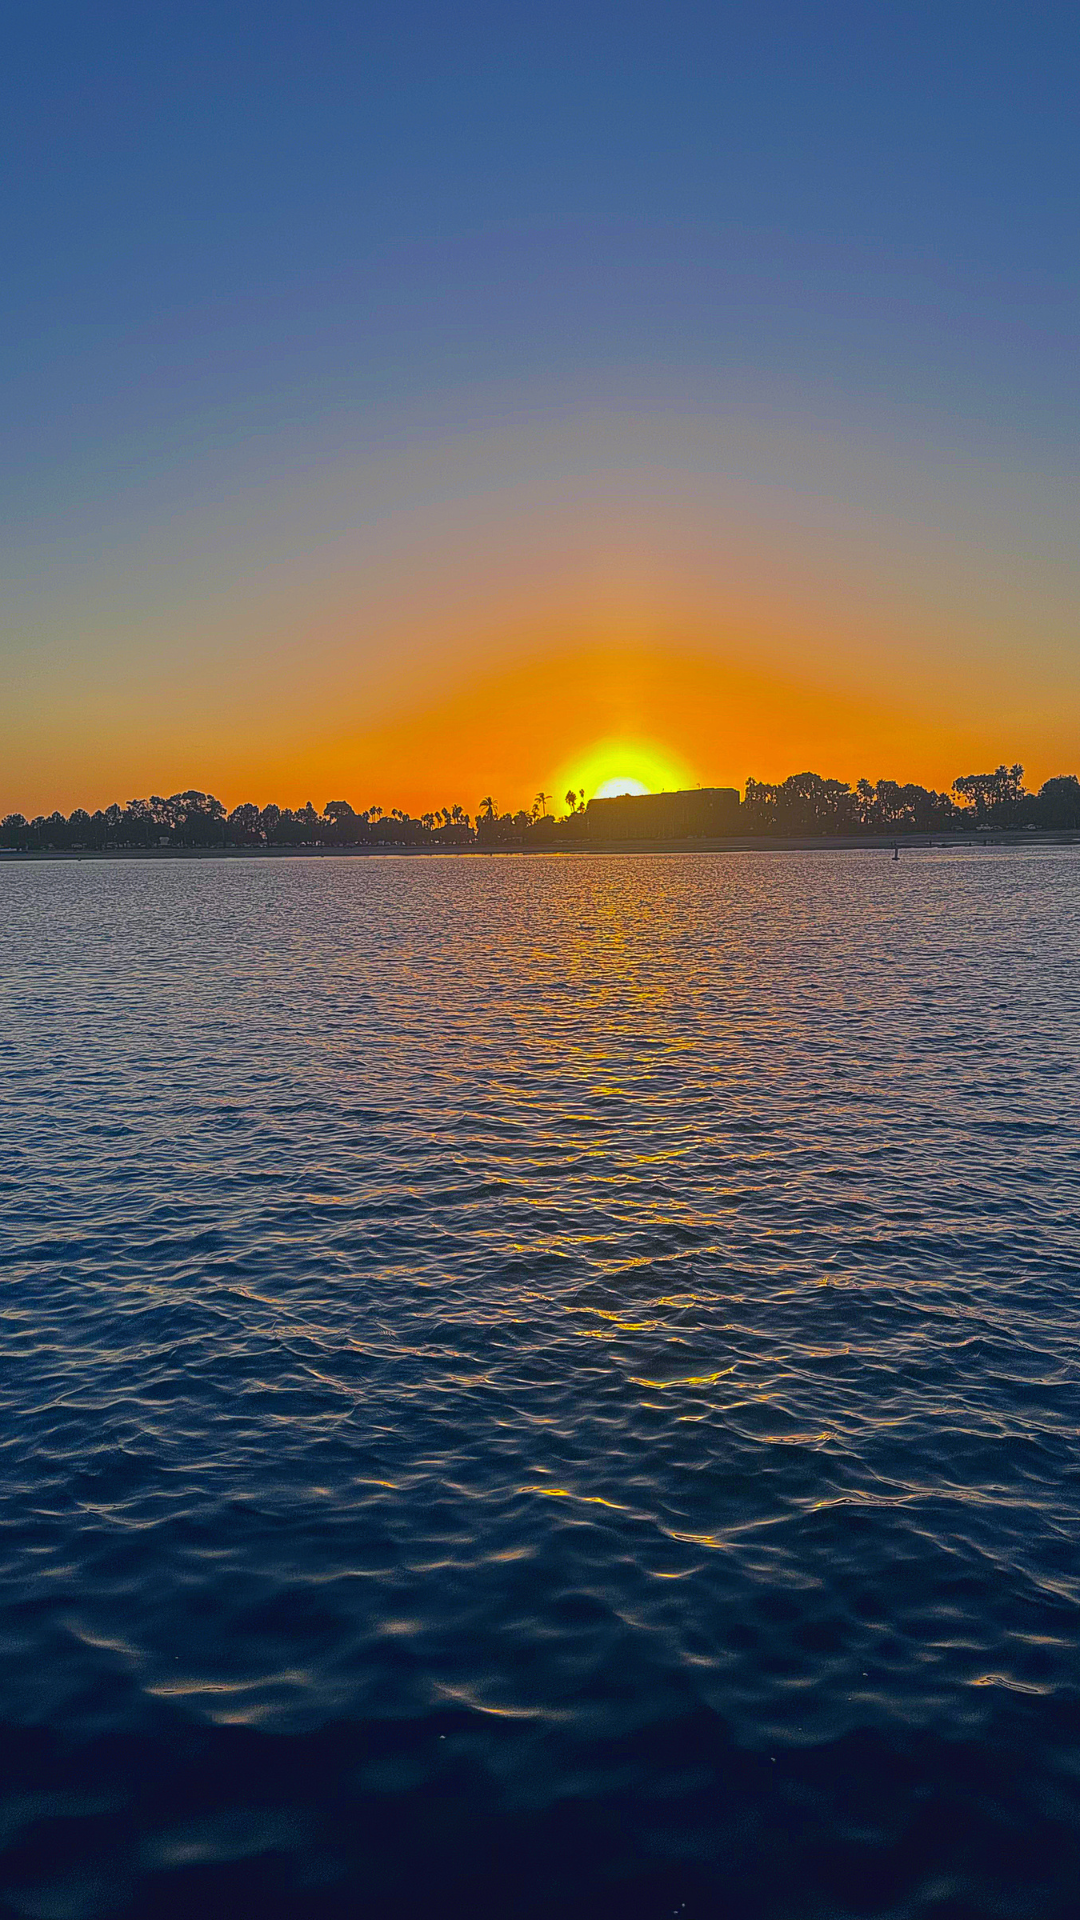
[245,241]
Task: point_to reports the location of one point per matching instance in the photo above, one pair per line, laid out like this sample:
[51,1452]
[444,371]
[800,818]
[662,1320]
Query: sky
[410,403]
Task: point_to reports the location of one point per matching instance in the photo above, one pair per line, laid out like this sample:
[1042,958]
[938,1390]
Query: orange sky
[397,409]
[670,713]
[477,611]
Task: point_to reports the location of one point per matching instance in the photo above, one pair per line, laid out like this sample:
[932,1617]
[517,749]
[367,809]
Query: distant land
[805,807]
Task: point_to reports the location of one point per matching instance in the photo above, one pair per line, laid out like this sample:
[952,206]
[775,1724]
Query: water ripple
[543,1384]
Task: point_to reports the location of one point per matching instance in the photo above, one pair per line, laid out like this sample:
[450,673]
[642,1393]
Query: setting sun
[613,789]
[624,766]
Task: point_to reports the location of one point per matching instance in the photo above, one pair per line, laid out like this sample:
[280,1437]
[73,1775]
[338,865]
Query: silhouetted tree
[802,804]
[805,804]
[996,798]
[1057,803]
[245,825]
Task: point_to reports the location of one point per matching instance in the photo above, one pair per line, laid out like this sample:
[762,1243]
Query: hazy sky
[405,403]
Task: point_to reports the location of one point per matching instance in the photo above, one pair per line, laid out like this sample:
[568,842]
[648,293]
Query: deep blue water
[541,1387]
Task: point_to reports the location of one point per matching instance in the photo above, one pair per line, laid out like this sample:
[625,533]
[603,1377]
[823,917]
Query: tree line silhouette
[806,804]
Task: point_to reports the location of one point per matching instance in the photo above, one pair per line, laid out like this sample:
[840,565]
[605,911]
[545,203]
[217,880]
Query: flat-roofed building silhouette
[700,813]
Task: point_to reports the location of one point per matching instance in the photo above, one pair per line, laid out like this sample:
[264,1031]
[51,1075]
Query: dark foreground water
[541,1387]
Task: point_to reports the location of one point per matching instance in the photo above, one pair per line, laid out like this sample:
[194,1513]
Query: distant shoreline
[738,843]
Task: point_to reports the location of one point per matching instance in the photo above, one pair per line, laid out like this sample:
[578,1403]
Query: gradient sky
[412,402]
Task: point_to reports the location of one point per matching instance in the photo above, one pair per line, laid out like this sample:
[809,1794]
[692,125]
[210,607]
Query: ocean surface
[541,1386]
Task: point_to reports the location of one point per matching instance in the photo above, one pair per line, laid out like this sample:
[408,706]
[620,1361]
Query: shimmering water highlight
[546,1384]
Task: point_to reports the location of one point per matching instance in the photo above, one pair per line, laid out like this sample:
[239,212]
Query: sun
[619,784]
[623,765]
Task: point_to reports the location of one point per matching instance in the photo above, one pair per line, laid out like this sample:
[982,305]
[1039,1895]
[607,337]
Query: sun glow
[613,789]
[623,766]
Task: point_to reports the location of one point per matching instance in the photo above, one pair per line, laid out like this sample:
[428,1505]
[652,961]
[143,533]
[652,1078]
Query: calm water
[541,1387]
